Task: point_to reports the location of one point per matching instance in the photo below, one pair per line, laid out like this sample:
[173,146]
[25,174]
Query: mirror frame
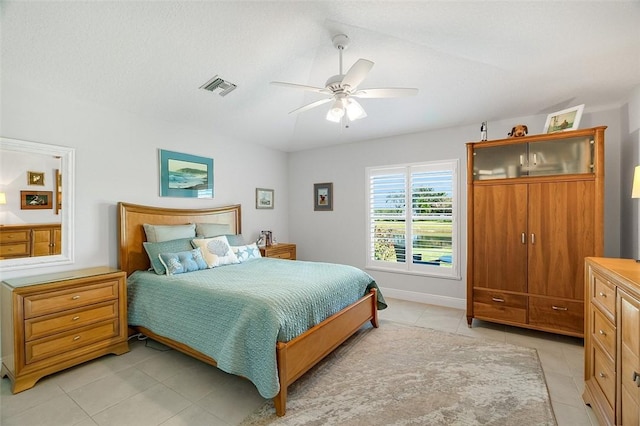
[67,169]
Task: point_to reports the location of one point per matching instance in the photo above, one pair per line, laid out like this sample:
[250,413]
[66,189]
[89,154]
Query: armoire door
[560,235]
[499,237]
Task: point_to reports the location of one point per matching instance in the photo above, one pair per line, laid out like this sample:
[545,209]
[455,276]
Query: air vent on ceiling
[218,83]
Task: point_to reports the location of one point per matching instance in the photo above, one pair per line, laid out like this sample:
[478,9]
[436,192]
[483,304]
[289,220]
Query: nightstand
[55,321]
[280,251]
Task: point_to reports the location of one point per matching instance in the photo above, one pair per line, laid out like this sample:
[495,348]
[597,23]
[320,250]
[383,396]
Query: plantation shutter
[387,201]
[431,203]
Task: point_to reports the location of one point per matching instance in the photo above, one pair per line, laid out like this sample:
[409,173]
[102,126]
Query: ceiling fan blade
[301,86]
[390,92]
[357,73]
[311,105]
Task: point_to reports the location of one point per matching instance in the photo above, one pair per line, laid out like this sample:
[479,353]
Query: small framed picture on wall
[264,198]
[35,178]
[30,200]
[323,196]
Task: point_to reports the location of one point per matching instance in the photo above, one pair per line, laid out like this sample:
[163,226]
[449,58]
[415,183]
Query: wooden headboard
[131,217]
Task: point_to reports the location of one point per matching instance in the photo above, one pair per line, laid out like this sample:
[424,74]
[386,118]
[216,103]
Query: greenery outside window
[412,218]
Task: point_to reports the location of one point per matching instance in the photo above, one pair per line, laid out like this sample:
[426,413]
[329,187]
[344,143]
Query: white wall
[630,153]
[340,235]
[116,160]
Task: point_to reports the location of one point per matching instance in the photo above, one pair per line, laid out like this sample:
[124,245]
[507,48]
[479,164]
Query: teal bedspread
[236,313]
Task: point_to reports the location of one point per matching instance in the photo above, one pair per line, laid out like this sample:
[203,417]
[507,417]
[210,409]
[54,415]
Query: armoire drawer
[556,314]
[500,306]
[58,301]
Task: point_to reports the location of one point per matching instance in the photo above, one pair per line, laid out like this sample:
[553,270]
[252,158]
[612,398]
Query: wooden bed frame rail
[295,357]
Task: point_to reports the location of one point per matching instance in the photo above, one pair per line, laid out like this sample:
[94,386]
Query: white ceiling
[472,60]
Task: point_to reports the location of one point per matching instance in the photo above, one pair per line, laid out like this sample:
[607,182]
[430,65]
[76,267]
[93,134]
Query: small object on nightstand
[280,251]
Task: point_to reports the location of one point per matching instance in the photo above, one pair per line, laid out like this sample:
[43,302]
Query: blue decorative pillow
[244,253]
[185,261]
[172,246]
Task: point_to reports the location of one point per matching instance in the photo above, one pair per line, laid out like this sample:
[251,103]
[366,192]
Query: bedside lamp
[3,198]
[635,191]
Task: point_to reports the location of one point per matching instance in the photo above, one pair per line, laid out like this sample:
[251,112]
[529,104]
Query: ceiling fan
[343,88]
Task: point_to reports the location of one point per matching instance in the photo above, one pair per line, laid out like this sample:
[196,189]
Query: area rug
[401,375]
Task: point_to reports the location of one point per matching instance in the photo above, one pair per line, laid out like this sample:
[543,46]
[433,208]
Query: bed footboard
[298,355]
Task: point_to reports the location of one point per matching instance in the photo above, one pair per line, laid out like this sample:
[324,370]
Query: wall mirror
[36,204]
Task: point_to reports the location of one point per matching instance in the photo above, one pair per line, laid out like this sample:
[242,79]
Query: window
[412,218]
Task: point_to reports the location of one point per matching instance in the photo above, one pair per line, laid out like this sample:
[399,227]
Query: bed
[292,358]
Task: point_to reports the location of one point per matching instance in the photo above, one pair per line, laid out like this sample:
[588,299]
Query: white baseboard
[430,299]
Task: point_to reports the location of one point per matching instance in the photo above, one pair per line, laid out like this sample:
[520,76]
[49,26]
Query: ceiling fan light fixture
[336,112]
[355,110]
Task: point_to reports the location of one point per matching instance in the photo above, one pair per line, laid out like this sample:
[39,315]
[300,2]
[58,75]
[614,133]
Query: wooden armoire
[535,211]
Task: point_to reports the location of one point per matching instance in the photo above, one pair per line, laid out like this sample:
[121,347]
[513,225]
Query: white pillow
[244,253]
[216,251]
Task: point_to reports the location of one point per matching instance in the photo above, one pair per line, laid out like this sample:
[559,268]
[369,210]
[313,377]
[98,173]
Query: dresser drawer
[14,236]
[604,295]
[556,314]
[36,328]
[501,306]
[604,373]
[603,331]
[49,346]
[14,249]
[57,301]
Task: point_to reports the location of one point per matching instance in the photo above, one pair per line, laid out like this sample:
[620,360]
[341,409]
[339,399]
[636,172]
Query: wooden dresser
[280,251]
[612,340]
[30,240]
[55,321]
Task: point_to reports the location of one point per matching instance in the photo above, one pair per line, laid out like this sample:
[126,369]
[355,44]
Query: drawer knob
[636,378]
[76,297]
[77,318]
[559,308]
[602,294]
[603,333]
[604,376]
[76,338]
[497,299]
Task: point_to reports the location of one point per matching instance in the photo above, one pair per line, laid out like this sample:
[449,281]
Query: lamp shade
[3,198]
[635,192]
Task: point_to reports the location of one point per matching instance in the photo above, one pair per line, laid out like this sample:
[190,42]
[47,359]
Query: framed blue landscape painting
[185,175]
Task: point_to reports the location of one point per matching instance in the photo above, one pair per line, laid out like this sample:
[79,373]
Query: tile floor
[154,386]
